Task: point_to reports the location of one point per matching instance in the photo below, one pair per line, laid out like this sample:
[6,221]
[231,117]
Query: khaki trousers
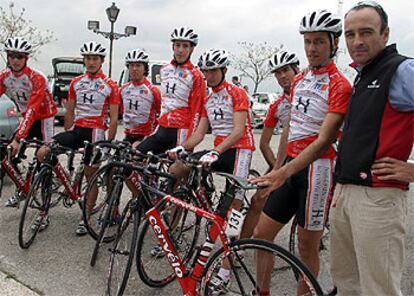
[367,239]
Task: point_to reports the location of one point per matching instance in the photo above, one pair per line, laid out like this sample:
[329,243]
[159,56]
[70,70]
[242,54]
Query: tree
[14,24]
[253,61]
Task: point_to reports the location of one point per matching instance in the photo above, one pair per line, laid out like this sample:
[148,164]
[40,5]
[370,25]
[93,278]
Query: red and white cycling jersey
[278,111]
[312,96]
[93,94]
[182,92]
[30,93]
[219,108]
[140,104]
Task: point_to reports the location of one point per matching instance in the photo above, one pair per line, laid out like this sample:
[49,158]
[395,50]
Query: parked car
[261,102]
[64,70]
[9,117]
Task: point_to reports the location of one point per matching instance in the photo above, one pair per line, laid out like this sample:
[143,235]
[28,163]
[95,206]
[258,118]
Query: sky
[219,23]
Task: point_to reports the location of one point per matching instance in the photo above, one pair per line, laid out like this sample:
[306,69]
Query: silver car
[9,117]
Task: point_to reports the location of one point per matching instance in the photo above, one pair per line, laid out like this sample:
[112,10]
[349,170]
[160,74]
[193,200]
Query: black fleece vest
[359,141]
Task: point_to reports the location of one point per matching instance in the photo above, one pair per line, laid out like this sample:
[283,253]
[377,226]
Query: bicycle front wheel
[244,277]
[123,249]
[110,217]
[184,228]
[36,207]
[96,201]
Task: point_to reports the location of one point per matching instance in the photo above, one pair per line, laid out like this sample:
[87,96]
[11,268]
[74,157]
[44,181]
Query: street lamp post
[112,13]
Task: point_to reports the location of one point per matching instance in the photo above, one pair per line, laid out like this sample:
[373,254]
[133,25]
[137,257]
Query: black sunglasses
[16,55]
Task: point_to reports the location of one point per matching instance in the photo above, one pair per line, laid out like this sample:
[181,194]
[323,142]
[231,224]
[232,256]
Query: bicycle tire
[145,262]
[114,196]
[94,218]
[41,181]
[1,179]
[282,281]
[123,248]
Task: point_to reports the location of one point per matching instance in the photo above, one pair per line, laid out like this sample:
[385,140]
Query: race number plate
[234,223]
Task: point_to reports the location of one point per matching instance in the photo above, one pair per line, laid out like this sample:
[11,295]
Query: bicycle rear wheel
[243,275]
[36,207]
[183,227]
[123,249]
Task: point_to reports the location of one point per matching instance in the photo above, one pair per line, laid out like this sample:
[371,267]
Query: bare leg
[308,243]
[252,216]
[266,229]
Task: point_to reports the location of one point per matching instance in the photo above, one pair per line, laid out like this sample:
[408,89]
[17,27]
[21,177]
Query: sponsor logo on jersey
[182,74]
[374,84]
[321,86]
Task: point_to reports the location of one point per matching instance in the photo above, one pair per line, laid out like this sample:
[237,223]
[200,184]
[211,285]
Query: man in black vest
[369,206]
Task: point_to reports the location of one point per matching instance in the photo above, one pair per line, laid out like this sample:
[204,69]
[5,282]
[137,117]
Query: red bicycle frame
[64,177]
[188,280]
[22,183]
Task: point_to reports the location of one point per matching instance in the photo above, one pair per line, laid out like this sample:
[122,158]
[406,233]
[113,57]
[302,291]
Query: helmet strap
[96,72]
[332,41]
[18,71]
[182,63]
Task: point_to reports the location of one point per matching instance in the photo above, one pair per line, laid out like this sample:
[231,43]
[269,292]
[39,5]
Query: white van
[261,103]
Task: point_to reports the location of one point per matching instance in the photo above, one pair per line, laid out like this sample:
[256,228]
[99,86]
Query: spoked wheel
[110,218]
[1,178]
[96,201]
[123,249]
[243,276]
[35,208]
[183,227]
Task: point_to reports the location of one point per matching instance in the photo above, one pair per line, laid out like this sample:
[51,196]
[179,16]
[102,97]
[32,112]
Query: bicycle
[199,190]
[21,177]
[106,212]
[39,199]
[195,275]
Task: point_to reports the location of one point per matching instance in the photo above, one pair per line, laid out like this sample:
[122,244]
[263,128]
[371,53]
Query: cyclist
[284,66]
[302,185]
[182,91]
[27,88]
[140,99]
[226,109]
[89,97]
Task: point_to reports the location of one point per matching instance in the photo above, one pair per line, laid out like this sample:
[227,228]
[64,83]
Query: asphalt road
[58,261]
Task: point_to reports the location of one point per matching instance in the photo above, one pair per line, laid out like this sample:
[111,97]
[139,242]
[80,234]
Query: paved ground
[58,262]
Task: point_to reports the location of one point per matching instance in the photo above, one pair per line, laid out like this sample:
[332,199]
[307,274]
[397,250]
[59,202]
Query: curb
[10,286]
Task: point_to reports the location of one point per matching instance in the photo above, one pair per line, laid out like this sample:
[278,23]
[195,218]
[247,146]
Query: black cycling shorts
[306,194]
[162,140]
[233,161]
[76,137]
[133,138]
[42,129]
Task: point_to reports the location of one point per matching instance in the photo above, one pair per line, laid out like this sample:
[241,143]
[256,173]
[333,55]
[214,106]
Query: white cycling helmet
[18,44]
[93,48]
[281,59]
[213,59]
[321,21]
[136,56]
[184,34]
